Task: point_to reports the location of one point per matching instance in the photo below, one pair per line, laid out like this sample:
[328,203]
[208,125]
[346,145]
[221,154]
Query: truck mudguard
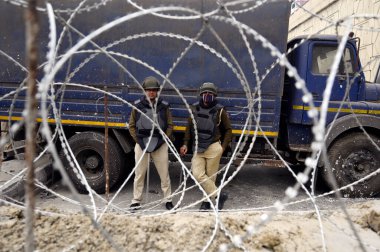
[348,122]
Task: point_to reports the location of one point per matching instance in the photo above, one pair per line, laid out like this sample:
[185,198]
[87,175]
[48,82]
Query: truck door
[321,57]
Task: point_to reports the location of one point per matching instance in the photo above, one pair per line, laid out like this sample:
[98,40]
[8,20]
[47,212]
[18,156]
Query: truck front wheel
[88,149]
[353,157]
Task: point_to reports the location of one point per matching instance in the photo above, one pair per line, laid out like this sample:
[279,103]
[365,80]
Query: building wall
[325,14]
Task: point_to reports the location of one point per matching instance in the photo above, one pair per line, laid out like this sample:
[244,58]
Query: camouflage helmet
[150,83]
[208,87]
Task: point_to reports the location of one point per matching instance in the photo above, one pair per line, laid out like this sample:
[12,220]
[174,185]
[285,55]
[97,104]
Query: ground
[193,231]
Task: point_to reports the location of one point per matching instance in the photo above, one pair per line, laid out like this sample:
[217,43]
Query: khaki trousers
[161,161]
[205,165]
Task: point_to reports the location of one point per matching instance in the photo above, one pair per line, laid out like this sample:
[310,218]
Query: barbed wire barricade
[114,51]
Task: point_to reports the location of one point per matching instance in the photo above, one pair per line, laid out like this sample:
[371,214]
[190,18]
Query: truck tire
[353,157]
[88,148]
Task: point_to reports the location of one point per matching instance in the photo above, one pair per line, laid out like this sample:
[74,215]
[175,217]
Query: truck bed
[157,42]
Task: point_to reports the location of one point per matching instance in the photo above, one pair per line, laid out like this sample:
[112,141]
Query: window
[323,58]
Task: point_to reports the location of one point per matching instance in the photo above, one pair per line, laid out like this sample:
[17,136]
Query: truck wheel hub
[92,162]
[359,164]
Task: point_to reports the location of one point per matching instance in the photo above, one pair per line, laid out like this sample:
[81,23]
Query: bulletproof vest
[144,125]
[206,125]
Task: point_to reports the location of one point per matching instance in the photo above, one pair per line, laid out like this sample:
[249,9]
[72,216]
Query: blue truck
[229,45]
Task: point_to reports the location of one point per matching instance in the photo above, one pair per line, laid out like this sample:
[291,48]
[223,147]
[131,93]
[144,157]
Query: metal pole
[147,178]
[31,22]
[106,166]
[1,146]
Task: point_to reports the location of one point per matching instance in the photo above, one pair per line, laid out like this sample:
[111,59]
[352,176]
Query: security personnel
[140,128]
[212,123]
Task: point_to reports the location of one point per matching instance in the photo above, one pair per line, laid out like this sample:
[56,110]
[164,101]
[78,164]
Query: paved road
[253,188]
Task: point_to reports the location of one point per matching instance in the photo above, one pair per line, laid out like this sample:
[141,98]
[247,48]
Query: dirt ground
[191,231]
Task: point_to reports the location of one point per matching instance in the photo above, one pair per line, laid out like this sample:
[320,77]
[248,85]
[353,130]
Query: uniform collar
[146,102]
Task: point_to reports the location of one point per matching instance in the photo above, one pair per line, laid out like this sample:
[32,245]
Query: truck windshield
[323,58]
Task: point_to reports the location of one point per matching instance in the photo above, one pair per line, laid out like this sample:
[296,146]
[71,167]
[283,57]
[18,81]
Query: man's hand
[183,150]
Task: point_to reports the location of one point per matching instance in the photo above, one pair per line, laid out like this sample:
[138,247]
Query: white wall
[329,11]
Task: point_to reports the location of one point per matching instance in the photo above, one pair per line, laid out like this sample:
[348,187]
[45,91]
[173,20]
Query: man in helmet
[148,138]
[212,123]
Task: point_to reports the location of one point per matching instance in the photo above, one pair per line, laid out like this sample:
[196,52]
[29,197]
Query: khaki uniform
[160,158]
[205,165]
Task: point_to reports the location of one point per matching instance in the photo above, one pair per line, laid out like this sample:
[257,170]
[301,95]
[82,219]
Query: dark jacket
[223,127]
[166,114]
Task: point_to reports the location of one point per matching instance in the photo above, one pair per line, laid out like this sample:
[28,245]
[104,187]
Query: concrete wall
[324,15]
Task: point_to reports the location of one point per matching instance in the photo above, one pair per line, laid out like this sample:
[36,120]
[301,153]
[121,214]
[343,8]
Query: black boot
[169,205]
[222,198]
[205,206]
[134,206]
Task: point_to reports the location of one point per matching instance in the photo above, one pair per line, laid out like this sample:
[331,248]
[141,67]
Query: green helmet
[208,87]
[150,83]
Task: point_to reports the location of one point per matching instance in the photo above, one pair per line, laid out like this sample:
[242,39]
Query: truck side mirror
[357,43]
